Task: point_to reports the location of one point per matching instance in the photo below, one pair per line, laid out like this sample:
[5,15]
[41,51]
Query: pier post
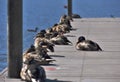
[70,8]
[14,38]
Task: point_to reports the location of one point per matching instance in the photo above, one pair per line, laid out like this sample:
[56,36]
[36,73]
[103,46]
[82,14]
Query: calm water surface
[44,13]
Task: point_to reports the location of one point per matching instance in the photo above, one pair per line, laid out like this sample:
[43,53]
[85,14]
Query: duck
[30,52]
[40,39]
[87,45]
[33,30]
[65,20]
[48,45]
[42,52]
[60,39]
[39,53]
[31,49]
[32,71]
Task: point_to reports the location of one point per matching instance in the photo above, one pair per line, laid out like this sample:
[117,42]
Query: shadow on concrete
[56,56]
[55,80]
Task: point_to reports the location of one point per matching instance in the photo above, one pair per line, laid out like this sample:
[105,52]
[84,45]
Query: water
[97,8]
[38,13]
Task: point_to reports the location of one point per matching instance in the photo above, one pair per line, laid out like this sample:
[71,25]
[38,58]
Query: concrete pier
[86,66]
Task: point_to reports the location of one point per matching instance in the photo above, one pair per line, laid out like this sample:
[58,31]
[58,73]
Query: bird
[39,53]
[59,39]
[49,46]
[32,71]
[32,30]
[87,45]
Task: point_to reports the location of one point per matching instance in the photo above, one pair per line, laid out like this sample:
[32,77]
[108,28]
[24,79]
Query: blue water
[97,8]
[44,13]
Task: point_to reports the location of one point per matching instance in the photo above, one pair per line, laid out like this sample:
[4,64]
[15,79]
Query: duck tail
[99,48]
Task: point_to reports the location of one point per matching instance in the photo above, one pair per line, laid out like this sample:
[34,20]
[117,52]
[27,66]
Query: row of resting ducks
[44,42]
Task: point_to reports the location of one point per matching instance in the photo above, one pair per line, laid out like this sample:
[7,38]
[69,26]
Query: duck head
[81,38]
[49,30]
[43,31]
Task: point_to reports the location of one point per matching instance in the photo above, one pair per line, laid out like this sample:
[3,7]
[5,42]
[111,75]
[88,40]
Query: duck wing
[93,46]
